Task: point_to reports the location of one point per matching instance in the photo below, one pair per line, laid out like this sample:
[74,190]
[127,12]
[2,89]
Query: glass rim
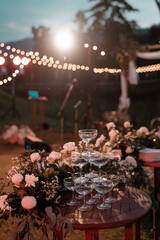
[88,130]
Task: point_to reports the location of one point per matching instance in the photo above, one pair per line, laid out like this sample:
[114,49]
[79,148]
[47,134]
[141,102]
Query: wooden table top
[133,204]
[155,164]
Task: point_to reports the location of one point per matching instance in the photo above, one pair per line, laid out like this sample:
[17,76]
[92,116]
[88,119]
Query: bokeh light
[64,39]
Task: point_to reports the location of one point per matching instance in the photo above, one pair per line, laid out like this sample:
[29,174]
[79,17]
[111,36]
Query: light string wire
[50,62]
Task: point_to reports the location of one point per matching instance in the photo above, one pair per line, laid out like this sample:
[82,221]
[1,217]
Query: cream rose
[99,140]
[35,157]
[142,131]
[30,180]
[28,202]
[53,156]
[112,135]
[17,179]
[129,163]
[68,147]
[127,124]
[128,150]
[110,125]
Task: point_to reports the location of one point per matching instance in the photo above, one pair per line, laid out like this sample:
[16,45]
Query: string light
[9,79]
[49,61]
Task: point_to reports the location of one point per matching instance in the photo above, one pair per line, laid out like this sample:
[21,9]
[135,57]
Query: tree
[158,4]
[81,20]
[113,10]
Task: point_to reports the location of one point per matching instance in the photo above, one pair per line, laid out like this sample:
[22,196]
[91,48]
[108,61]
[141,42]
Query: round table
[132,206]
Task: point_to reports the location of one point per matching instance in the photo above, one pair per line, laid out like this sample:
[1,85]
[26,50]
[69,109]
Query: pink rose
[30,180]
[28,202]
[112,135]
[53,156]
[142,132]
[17,179]
[68,147]
[99,140]
[128,150]
[110,125]
[35,157]
[127,124]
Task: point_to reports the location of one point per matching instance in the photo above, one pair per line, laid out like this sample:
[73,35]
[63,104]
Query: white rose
[30,180]
[110,125]
[68,147]
[112,135]
[53,156]
[127,124]
[17,179]
[35,157]
[128,150]
[28,202]
[142,131]
[129,163]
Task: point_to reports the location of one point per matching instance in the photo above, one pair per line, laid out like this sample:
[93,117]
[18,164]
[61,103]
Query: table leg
[128,232]
[138,231]
[95,235]
[155,211]
[88,234]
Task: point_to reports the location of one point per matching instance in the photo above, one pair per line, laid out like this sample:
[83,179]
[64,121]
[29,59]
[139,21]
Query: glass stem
[99,172]
[84,200]
[72,195]
[80,172]
[103,198]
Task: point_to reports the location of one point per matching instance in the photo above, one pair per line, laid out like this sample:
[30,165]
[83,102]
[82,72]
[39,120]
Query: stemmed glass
[84,188]
[100,160]
[69,184]
[92,199]
[115,180]
[103,187]
[87,135]
[79,161]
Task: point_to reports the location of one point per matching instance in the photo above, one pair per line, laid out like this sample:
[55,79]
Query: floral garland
[37,178]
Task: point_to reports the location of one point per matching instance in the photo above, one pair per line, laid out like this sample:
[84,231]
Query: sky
[18,16]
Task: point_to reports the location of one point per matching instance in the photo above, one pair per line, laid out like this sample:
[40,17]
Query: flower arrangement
[127,142]
[35,201]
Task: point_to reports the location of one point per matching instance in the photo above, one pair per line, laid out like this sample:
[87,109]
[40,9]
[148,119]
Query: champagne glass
[93,154]
[100,161]
[103,187]
[69,184]
[87,135]
[92,199]
[78,160]
[115,181]
[78,178]
[83,189]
